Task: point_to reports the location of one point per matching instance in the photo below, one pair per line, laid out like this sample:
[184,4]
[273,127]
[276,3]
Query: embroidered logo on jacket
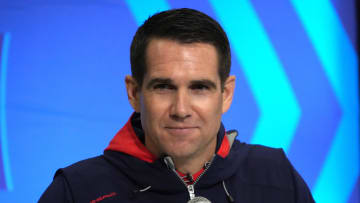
[103,197]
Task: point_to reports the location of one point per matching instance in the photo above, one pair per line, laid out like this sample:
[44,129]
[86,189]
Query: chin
[182,153]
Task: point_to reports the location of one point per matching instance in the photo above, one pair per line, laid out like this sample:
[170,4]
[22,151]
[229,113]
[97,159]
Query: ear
[228,93]
[133,91]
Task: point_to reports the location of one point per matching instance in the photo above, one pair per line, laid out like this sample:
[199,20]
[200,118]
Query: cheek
[155,103]
[152,109]
[208,106]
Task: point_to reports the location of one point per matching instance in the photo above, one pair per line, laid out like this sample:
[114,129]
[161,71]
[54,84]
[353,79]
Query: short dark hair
[183,26]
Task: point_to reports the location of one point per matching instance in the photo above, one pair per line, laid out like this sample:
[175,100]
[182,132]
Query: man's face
[181,101]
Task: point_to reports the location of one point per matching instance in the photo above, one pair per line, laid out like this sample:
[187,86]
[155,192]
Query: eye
[199,87]
[163,86]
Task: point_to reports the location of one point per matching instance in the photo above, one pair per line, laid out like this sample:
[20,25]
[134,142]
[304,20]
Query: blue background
[62,92]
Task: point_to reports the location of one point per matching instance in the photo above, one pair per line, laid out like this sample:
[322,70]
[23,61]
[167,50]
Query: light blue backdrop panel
[62,92]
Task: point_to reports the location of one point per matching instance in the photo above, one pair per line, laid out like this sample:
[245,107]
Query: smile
[180,130]
[180,127]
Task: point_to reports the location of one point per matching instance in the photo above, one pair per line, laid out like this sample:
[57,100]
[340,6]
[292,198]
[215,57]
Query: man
[174,147]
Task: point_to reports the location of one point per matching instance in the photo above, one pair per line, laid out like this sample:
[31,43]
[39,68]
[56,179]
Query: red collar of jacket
[126,141]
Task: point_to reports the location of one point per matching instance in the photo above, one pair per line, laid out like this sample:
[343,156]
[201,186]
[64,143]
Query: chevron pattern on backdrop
[290,90]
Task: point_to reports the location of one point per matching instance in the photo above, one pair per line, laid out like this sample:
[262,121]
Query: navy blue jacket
[127,172]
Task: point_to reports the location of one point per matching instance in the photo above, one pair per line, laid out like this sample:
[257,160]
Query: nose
[180,108]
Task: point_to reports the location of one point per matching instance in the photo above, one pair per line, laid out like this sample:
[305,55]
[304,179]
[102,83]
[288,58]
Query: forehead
[168,58]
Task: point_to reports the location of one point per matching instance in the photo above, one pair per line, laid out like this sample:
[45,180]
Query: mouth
[180,130]
[180,127]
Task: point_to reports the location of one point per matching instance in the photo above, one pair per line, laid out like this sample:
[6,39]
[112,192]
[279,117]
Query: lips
[181,130]
[180,127]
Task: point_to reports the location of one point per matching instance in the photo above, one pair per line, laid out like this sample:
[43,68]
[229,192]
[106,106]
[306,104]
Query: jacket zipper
[191,190]
[191,187]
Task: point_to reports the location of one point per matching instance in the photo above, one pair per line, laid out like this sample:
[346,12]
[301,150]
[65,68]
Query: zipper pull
[191,191]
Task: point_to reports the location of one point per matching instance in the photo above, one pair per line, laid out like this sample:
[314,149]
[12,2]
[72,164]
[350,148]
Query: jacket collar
[130,140]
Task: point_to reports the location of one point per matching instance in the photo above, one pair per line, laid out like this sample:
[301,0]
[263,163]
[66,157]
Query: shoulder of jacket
[87,167]
[267,154]
[265,166]
[258,153]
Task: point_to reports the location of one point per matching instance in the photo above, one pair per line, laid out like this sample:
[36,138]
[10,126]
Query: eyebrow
[206,82]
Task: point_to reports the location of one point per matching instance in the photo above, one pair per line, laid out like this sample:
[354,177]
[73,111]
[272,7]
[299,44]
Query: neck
[193,164]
